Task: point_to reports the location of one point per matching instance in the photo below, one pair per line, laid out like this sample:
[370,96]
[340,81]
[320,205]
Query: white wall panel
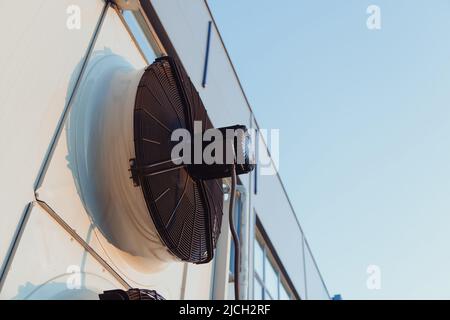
[315,286]
[198,282]
[278,219]
[49,264]
[39,59]
[60,190]
[186,22]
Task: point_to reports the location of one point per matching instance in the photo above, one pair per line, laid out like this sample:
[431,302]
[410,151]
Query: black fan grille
[131,294]
[186,211]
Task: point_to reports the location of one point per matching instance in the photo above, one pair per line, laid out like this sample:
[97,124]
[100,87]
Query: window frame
[269,256]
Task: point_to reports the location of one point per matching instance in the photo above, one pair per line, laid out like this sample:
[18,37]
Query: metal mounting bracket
[132,5]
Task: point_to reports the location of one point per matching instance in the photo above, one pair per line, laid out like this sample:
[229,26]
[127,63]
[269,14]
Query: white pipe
[244,243]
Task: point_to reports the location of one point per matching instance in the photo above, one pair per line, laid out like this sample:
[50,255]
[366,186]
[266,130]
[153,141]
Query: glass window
[267,295]
[269,282]
[259,260]
[257,290]
[271,279]
[139,35]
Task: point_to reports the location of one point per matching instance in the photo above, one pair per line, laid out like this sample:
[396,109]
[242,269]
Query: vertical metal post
[208,43]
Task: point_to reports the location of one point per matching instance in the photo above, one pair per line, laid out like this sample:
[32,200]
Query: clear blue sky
[365,131]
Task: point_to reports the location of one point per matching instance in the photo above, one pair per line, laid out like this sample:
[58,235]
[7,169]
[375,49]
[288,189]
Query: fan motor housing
[236,153]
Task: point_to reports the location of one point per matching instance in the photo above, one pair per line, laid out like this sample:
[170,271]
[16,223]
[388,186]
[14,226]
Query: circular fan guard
[186,211]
